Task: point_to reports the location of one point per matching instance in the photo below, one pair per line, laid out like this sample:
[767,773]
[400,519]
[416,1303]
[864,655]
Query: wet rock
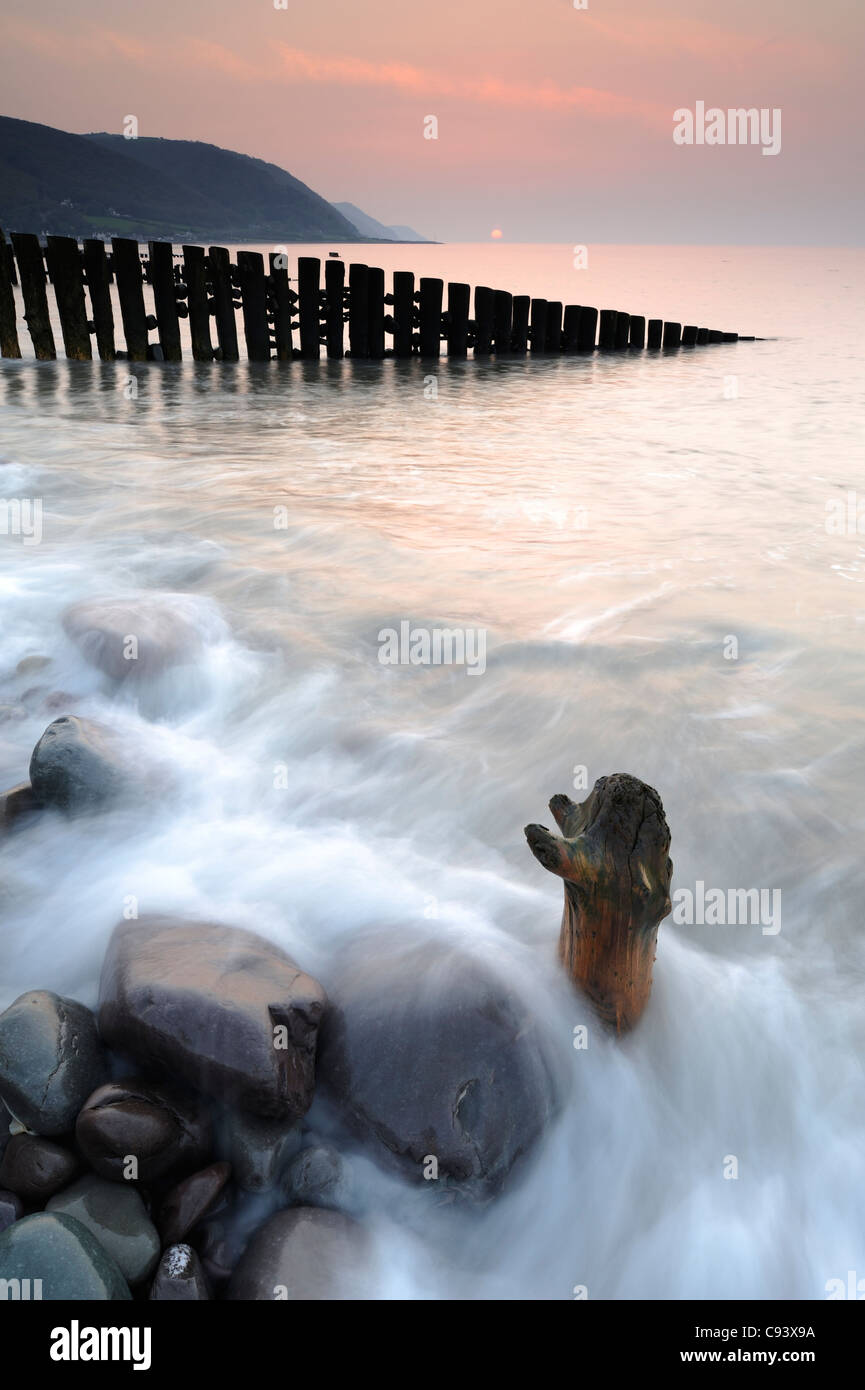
[159,1126]
[180,1277]
[188,1202]
[36,1168]
[134,637]
[51,1059]
[11,1209]
[63,1254]
[79,764]
[430,1056]
[305,1254]
[216,1006]
[15,804]
[259,1149]
[319,1177]
[28,664]
[114,1213]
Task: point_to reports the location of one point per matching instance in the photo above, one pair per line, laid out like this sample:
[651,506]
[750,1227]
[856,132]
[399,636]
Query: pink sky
[555,124]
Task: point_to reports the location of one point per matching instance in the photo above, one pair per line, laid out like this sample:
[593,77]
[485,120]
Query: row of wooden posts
[282,318]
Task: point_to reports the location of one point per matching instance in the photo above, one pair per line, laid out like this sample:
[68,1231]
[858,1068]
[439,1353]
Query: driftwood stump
[613,857]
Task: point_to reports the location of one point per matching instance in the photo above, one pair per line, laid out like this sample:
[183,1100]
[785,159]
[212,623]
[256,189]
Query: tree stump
[613,858]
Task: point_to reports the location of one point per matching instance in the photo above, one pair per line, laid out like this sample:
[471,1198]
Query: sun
[496,234]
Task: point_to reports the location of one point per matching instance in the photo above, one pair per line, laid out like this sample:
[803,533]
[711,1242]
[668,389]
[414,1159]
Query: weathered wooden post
[607,334]
[637,331]
[538,330]
[656,332]
[520,322]
[430,317]
[253,296]
[503,308]
[623,329]
[195,279]
[9,345]
[358,310]
[702,336]
[554,327]
[672,335]
[570,327]
[587,328]
[66,272]
[98,279]
[129,278]
[403,311]
[689,335]
[31,273]
[165,298]
[459,299]
[334,314]
[730,337]
[715,336]
[219,268]
[375,292]
[613,855]
[484,311]
[309,306]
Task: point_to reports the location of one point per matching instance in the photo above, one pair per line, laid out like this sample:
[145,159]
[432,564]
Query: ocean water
[643,541]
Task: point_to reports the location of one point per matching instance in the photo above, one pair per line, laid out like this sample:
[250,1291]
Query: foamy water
[610,523]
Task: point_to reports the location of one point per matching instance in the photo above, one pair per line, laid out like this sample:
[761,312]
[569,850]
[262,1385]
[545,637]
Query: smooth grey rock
[162,1127]
[130,638]
[51,1059]
[187,1203]
[428,1054]
[80,765]
[64,1255]
[179,1277]
[216,1006]
[319,1177]
[305,1254]
[114,1213]
[15,805]
[259,1149]
[36,1168]
[11,1209]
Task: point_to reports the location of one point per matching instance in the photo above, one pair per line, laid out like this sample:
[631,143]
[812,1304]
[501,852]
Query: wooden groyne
[280,318]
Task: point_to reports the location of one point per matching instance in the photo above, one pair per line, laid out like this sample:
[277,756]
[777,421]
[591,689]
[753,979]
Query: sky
[553,123]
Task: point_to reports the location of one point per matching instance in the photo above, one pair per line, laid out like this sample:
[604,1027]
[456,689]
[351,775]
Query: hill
[369,227]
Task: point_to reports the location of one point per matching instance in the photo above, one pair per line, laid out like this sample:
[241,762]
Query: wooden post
[613,855]
[431,295]
[715,336]
[459,299]
[195,279]
[485,301]
[309,306]
[538,330]
[731,337]
[375,309]
[128,276]
[637,331]
[334,314]
[672,335]
[689,335]
[9,345]
[219,266]
[702,336]
[570,328]
[358,310]
[520,322]
[623,328]
[403,312]
[99,288]
[554,327]
[656,332]
[587,328]
[66,272]
[165,298]
[253,295]
[503,309]
[31,273]
[607,335]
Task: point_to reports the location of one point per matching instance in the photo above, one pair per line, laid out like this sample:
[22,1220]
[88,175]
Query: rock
[217,1006]
[51,1059]
[134,637]
[36,1168]
[114,1213]
[259,1149]
[188,1202]
[16,803]
[63,1254]
[11,1209]
[79,764]
[179,1277]
[428,1054]
[305,1254]
[28,664]
[319,1177]
[160,1126]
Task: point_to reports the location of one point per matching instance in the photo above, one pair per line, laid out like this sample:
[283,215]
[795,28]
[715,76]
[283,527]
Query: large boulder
[305,1254]
[217,1007]
[79,765]
[115,1214]
[63,1255]
[50,1060]
[135,637]
[161,1127]
[429,1055]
